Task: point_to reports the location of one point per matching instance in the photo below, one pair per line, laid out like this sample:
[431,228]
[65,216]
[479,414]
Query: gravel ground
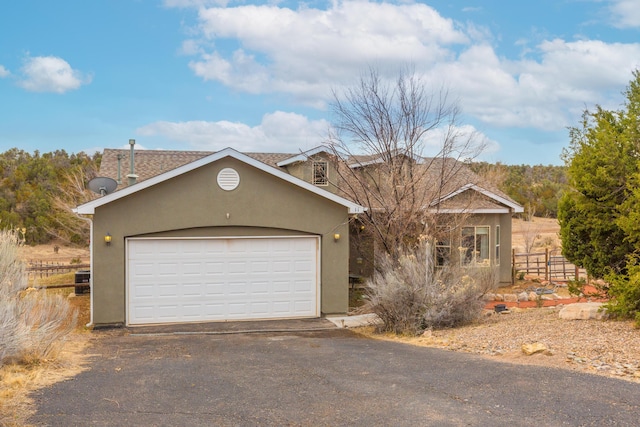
[610,348]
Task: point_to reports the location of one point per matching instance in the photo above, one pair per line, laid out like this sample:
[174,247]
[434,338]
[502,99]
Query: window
[443,246]
[474,246]
[320,176]
[497,245]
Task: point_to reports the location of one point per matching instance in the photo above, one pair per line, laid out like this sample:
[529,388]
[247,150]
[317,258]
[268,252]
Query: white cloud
[625,13]
[545,93]
[289,132]
[190,47]
[305,52]
[51,74]
[3,72]
[462,142]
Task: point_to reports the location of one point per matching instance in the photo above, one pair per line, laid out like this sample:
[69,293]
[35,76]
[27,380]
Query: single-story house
[224,237]
[193,236]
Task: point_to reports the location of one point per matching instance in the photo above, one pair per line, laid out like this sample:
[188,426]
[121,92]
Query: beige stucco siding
[493,220]
[192,205]
[304,171]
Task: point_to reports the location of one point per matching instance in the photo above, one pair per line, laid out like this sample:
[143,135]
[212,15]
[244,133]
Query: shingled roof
[149,163]
[456,180]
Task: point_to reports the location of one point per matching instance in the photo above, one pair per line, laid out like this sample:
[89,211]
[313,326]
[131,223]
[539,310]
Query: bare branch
[381,135]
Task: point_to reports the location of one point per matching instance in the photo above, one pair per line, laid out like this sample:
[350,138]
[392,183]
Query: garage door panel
[237,289]
[237,267]
[183,280]
[214,289]
[143,291]
[259,288]
[258,267]
[212,267]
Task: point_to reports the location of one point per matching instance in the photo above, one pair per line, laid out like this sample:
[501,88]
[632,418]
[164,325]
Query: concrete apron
[252,326]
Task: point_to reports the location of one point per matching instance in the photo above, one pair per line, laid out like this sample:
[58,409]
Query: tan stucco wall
[365,251]
[304,170]
[192,204]
[492,220]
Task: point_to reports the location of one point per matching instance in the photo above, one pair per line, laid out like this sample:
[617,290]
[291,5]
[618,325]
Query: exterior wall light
[107,239]
[336,237]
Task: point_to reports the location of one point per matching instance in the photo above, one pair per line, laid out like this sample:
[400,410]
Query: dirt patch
[48,253]
[540,233]
[609,348]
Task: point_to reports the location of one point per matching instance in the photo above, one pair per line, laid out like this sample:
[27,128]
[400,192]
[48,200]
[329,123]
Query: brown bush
[31,321]
[409,295]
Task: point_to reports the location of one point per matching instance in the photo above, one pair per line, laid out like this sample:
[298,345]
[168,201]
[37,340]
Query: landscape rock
[499,297]
[582,311]
[533,348]
[523,296]
[511,298]
[489,297]
[533,296]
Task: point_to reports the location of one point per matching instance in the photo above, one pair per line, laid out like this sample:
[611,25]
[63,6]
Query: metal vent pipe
[132,175]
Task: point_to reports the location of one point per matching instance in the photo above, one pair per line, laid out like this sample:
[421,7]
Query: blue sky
[208,74]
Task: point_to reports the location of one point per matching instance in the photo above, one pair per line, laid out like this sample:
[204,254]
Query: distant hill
[538,188]
[37,192]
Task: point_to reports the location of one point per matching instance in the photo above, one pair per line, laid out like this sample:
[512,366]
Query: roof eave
[302,157]
[471,211]
[89,207]
[511,204]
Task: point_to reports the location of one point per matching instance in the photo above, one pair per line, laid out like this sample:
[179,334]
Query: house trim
[512,206]
[302,157]
[470,211]
[89,207]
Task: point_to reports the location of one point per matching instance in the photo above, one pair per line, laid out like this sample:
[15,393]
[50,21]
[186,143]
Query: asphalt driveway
[326,377]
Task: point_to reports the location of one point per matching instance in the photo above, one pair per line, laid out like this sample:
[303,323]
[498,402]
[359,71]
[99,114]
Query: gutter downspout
[90,221]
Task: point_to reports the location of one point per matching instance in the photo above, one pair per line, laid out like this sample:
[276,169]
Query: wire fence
[39,269]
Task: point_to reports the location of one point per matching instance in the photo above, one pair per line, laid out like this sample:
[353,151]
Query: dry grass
[65,254]
[542,232]
[68,359]
[44,352]
[18,380]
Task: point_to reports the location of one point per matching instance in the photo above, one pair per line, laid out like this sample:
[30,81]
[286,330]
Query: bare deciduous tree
[65,225]
[400,149]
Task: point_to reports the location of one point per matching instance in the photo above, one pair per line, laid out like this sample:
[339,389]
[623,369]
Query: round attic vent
[228,179]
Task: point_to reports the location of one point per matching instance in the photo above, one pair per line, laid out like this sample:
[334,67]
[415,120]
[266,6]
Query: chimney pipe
[119,172]
[132,176]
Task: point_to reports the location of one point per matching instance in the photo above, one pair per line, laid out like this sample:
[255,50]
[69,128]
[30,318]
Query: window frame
[475,249]
[320,179]
[497,261]
[443,246]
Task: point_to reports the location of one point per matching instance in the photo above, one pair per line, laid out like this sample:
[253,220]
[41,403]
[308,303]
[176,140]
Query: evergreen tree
[597,215]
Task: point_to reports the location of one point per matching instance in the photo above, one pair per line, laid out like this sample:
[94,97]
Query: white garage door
[195,280]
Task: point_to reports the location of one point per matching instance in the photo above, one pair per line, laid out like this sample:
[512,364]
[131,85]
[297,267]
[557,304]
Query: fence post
[547,265]
[513,266]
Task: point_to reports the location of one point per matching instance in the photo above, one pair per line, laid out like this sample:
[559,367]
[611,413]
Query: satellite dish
[103,185]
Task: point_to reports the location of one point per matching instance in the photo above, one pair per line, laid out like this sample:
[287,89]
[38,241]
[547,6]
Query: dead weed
[18,380]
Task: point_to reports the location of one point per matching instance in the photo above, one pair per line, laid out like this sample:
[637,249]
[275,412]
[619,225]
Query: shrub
[31,321]
[409,296]
[624,290]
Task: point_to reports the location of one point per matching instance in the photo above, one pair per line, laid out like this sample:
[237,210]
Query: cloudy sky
[257,76]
